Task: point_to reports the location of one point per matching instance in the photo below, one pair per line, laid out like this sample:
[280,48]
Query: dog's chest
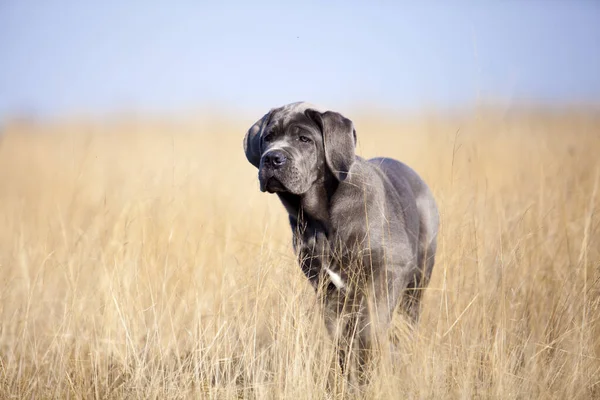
[313,251]
[321,262]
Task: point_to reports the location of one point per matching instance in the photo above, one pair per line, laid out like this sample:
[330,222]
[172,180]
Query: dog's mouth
[272,185]
[284,180]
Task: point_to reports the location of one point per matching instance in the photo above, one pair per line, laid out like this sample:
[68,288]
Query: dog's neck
[312,208]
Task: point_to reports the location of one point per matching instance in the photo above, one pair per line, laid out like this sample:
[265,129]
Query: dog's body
[364,230]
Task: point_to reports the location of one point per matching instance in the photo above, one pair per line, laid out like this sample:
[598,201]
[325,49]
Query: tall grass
[138,259]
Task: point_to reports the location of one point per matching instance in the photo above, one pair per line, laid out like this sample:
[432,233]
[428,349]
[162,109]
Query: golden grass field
[138,259]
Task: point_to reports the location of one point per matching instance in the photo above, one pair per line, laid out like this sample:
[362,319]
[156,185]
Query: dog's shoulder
[364,181]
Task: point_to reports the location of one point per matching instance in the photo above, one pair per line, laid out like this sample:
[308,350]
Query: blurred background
[89,57]
[138,258]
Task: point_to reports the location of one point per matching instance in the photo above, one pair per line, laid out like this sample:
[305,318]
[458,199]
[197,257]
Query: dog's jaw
[272,185]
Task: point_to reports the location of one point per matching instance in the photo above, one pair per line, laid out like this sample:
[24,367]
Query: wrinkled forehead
[290,112]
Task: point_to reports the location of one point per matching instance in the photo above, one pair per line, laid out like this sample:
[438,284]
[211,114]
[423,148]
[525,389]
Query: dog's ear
[252,139]
[339,140]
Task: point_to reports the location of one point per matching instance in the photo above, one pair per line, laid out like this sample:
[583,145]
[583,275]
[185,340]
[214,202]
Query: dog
[364,231]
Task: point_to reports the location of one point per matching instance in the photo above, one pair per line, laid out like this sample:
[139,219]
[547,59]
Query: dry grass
[139,260]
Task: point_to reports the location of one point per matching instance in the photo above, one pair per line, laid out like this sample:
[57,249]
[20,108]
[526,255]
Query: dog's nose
[275,159]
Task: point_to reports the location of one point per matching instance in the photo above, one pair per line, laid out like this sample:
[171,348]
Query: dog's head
[296,145]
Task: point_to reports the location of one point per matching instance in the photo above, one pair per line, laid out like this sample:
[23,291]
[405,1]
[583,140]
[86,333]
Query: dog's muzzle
[273,165]
[275,159]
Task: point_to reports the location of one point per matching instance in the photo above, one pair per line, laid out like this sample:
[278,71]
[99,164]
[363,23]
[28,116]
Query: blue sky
[58,57]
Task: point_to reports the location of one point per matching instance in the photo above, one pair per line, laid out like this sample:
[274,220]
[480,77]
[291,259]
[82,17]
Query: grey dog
[364,231]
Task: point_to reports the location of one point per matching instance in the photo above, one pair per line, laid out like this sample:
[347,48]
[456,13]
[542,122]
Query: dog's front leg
[343,314]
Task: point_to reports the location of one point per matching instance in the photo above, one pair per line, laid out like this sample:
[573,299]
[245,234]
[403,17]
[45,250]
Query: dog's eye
[304,139]
[268,138]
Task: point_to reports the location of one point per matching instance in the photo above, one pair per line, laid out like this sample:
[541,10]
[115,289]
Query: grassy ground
[138,259]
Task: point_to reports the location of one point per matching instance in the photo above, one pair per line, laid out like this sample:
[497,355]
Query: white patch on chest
[336,279]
